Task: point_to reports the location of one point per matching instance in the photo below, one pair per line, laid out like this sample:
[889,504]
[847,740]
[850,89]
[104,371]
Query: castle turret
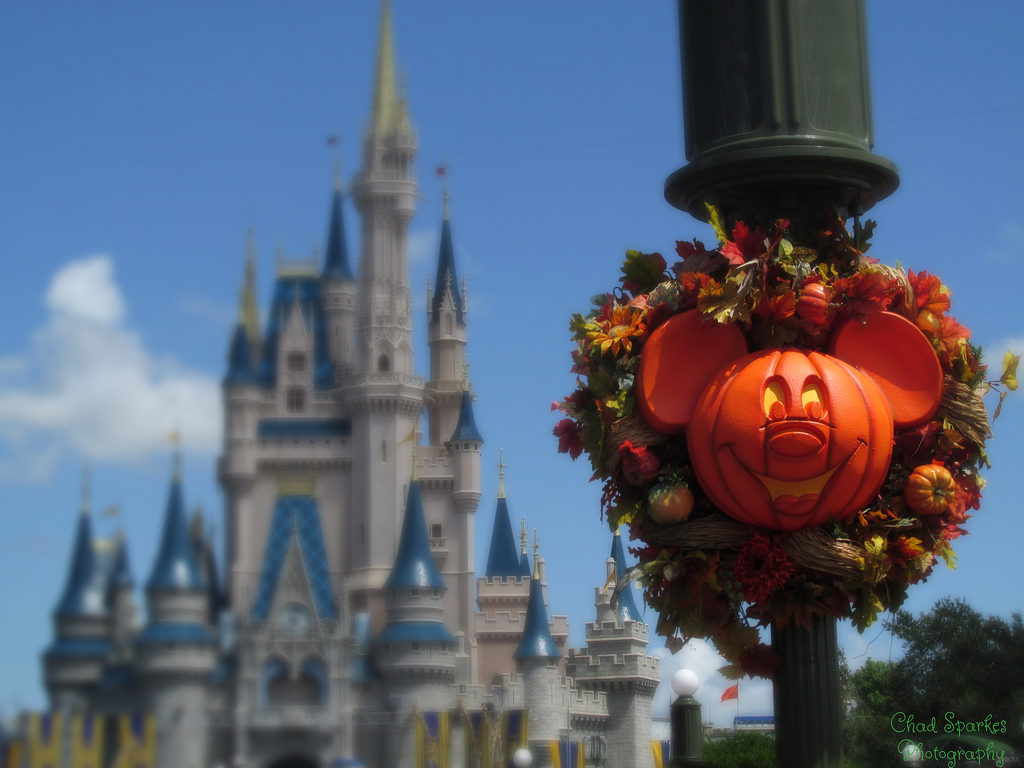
[384,397]
[537,660]
[176,651]
[415,653]
[624,604]
[74,661]
[446,336]
[120,599]
[338,285]
[615,661]
[503,562]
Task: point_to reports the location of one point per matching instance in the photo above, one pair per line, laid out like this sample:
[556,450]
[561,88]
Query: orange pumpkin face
[788,438]
[785,439]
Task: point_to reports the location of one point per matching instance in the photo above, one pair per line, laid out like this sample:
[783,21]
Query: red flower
[746,245]
[639,465]
[777,307]
[929,292]
[568,433]
[863,293]
[761,568]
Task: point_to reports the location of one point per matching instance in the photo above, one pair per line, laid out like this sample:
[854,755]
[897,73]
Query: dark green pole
[777,117]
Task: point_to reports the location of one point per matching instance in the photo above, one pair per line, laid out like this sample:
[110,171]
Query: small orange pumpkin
[669,504]
[929,489]
[812,305]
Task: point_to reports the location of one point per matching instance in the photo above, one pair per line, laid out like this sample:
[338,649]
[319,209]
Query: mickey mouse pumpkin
[788,438]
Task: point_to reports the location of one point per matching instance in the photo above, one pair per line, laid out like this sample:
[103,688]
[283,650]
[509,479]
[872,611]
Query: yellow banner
[136,742]
[432,740]
[86,741]
[45,736]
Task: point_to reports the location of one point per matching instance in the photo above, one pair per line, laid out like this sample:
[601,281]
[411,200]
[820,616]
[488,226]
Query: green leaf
[642,272]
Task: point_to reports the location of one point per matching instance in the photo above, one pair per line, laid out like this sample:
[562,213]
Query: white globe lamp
[685,682]
[522,758]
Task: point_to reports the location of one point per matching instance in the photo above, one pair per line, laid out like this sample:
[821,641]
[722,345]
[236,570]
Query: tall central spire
[388,110]
[248,308]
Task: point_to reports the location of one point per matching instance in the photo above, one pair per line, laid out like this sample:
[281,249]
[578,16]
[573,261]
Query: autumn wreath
[706,573]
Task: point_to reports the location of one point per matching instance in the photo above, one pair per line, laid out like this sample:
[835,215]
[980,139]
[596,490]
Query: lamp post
[685,721]
[777,117]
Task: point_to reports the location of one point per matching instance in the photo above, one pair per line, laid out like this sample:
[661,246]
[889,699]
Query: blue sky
[139,142]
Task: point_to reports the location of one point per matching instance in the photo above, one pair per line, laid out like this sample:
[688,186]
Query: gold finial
[465,376]
[501,475]
[522,535]
[616,534]
[414,475]
[174,438]
[333,141]
[536,555]
[86,488]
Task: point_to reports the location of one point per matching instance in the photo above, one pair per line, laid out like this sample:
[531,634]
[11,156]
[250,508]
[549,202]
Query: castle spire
[446,282]
[79,595]
[175,566]
[388,114]
[502,558]
[627,610]
[336,265]
[248,308]
[414,565]
[536,641]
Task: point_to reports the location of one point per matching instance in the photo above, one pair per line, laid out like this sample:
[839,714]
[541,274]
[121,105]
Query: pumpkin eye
[774,402]
[813,400]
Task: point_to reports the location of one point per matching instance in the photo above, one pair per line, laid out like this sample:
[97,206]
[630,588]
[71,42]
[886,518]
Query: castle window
[296,362]
[448,324]
[415,646]
[436,531]
[295,399]
[383,364]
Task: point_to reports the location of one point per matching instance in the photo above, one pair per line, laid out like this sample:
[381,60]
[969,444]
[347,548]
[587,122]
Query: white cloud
[995,350]
[85,290]
[93,387]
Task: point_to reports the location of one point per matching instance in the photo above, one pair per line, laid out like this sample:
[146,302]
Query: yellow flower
[613,331]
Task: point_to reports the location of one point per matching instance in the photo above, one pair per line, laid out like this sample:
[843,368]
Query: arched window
[383,364]
[448,325]
[274,669]
[314,673]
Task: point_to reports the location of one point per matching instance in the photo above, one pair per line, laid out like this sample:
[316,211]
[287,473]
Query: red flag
[442,170]
[332,141]
[731,693]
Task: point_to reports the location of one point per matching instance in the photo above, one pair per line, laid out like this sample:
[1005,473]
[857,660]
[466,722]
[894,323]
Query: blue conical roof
[175,566]
[414,565]
[304,289]
[536,642]
[447,281]
[524,565]
[466,429]
[79,597]
[502,559]
[336,266]
[627,610]
[240,364]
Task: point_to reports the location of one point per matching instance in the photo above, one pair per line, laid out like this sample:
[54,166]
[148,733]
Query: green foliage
[955,661]
[741,750]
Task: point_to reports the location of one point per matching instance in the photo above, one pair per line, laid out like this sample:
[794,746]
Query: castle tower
[338,284]
[502,595]
[384,398]
[415,653]
[120,601]
[74,661]
[537,660]
[615,661]
[176,652]
[446,337]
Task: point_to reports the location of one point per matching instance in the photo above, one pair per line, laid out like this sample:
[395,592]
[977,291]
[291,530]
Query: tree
[958,667]
[741,750]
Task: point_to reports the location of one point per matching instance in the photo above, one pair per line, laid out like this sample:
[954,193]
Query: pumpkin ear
[679,358]
[899,359]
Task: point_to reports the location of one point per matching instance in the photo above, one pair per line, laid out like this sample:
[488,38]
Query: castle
[349,625]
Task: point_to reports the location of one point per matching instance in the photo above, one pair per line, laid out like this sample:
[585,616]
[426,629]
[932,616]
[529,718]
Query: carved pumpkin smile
[788,438]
